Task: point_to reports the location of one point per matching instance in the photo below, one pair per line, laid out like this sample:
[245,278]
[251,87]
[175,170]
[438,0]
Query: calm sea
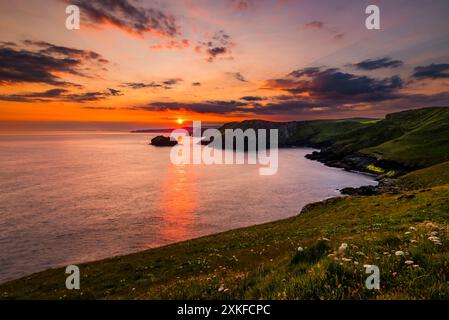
[76,197]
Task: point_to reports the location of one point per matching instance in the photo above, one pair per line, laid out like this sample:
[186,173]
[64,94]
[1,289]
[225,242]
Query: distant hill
[402,141]
[413,139]
[170,130]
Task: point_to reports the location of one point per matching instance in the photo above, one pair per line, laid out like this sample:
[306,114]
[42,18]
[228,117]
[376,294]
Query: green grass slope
[319,132]
[426,178]
[425,141]
[405,235]
[414,138]
[313,132]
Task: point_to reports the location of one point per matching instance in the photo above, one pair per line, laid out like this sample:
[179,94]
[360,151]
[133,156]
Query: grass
[321,132]
[375,169]
[415,138]
[266,261]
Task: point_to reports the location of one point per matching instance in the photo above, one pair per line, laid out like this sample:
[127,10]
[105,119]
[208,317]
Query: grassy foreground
[404,234]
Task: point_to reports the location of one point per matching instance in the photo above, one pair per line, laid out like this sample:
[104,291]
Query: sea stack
[161,141]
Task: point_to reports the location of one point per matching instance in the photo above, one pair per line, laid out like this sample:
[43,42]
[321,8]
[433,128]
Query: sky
[137,64]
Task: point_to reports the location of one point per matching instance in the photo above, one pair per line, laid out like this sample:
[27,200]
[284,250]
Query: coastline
[401,227]
[324,198]
[252,262]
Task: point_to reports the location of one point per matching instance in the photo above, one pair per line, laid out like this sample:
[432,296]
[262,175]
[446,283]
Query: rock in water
[161,141]
[361,191]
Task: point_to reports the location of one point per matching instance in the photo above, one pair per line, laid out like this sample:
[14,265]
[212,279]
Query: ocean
[67,198]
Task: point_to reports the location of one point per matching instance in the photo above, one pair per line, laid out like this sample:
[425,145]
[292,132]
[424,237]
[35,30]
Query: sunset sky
[145,64]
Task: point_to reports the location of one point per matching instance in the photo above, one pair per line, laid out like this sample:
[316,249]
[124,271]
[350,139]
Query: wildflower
[412,229]
[394,274]
[343,247]
[346,259]
[409,262]
[221,288]
[300,249]
[399,253]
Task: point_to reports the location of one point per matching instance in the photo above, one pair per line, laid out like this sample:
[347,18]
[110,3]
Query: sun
[180,121]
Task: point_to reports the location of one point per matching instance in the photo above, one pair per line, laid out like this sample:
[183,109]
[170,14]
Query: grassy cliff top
[415,138]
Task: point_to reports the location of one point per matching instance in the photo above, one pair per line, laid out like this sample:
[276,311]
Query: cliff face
[285,129]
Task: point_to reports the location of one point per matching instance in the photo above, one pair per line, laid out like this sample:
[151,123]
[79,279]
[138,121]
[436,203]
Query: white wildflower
[343,247]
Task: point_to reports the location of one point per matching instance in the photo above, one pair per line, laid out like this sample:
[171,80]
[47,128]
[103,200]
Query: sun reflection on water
[178,202]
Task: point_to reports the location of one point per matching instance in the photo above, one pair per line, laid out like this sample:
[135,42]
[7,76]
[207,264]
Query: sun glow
[180,121]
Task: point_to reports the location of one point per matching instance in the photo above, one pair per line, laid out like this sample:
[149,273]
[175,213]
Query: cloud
[212,106]
[99,108]
[320,25]
[127,16]
[167,84]
[219,46]
[241,5]
[44,63]
[171,82]
[196,84]
[314,24]
[60,95]
[115,92]
[25,66]
[54,50]
[141,85]
[433,71]
[172,45]
[238,76]
[35,96]
[334,85]
[252,98]
[373,64]
[237,108]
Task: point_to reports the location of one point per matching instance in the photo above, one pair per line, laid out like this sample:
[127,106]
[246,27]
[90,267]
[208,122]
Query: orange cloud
[172,45]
